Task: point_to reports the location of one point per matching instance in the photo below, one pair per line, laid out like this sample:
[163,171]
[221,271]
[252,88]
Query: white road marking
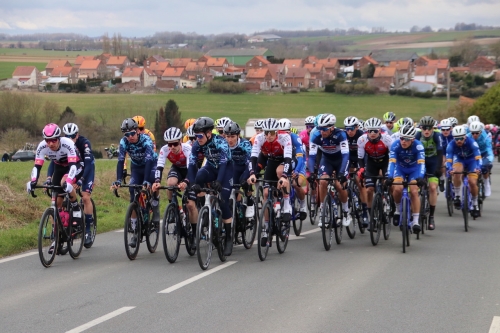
[196,278]
[121,230]
[316,229]
[100,319]
[17,257]
[495,325]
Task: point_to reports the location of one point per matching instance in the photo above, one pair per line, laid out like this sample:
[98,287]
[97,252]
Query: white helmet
[270,124]
[327,120]
[476,126]
[190,132]
[458,131]
[446,124]
[350,121]
[361,124]
[454,121]
[285,124]
[70,129]
[373,124]
[258,124]
[407,132]
[472,119]
[309,120]
[172,134]
[223,122]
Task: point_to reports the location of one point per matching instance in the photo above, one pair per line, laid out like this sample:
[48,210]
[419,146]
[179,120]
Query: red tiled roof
[329,62]
[314,68]
[257,73]
[216,62]
[23,71]
[116,60]
[425,70]
[400,64]
[80,59]
[296,72]
[158,65]
[57,63]
[90,64]
[173,72]
[484,58]
[293,63]
[195,66]
[180,62]
[132,72]
[438,63]
[262,60]
[61,71]
[370,60]
[275,68]
[385,72]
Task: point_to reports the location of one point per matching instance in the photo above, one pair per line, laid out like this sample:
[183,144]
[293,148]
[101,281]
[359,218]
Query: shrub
[330,87]
[403,92]
[304,90]
[97,153]
[344,88]
[474,92]
[226,79]
[458,110]
[427,94]
[226,87]
[453,94]
[393,92]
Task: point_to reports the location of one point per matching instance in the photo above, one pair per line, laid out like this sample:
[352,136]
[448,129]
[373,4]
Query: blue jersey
[484,143]
[335,146]
[141,154]
[468,151]
[217,153]
[411,158]
[82,144]
[241,152]
[445,140]
[297,152]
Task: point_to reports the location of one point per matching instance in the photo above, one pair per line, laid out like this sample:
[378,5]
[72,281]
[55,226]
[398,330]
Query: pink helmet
[51,131]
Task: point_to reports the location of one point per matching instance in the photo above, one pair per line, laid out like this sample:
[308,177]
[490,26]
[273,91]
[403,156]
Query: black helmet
[203,124]
[128,125]
[232,128]
[427,121]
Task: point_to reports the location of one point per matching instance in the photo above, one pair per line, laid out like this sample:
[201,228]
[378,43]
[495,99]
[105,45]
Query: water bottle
[145,215]
[335,210]
[216,218]
[356,202]
[64,215]
[313,199]
[239,209]
[277,208]
[183,216]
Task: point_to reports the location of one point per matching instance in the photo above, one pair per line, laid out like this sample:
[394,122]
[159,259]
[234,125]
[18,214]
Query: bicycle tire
[297,222]
[249,230]
[389,216]
[93,226]
[221,239]
[129,232]
[422,219]
[48,232]
[327,217]
[449,197]
[313,211]
[188,236]
[359,210]
[204,245]
[152,233]
[465,207]
[351,228]
[338,227]
[376,219]
[171,236]
[404,224]
[261,229]
[76,237]
[282,238]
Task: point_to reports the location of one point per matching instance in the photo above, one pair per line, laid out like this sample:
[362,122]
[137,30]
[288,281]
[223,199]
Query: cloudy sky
[144,18]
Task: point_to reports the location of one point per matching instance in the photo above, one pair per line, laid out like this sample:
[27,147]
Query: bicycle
[93,226]
[382,212]
[53,232]
[312,200]
[143,228]
[247,227]
[466,202]
[405,222]
[355,207]
[424,205]
[276,226]
[330,219]
[295,217]
[449,195]
[175,226]
[482,195]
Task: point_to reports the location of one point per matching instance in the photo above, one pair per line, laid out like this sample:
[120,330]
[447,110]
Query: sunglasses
[140,128]
[199,135]
[389,122]
[173,144]
[192,138]
[373,131]
[71,136]
[257,130]
[349,128]
[445,129]
[475,133]
[309,126]
[323,129]
[405,139]
[50,140]
[129,134]
[270,132]
[221,131]
[462,138]
[426,128]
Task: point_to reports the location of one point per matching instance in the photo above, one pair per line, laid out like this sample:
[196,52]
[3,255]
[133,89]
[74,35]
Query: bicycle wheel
[481,196]
[449,197]
[351,228]
[376,219]
[132,232]
[389,215]
[358,207]
[313,207]
[404,224]
[282,235]
[204,245]
[250,230]
[152,234]
[93,226]
[327,217]
[171,233]
[422,218]
[76,237]
[264,231]
[337,223]
[188,237]
[297,222]
[221,239]
[465,207]
[48,234]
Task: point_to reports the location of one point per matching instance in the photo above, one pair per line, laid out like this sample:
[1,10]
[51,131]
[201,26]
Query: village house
[384,78]
[180,62]
[256,62]
[196,70]
[294,63]
[482,66]
[310,60]
[403,71]
[119,62]
[332,67]
[363,62]
[318,75]
[262,76]
[154,59]
[278,74]
[55,63]
[71,73]
[80,59]
[133,74]
[27,76]
[151,77]
[426,74]
[297,78]
[92,69]
[174,74]
[217,66]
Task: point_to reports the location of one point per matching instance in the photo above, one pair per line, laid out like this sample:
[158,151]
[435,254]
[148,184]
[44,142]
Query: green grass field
[7,68]
[42,53]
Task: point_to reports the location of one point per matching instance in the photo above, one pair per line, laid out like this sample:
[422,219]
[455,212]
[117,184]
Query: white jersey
[386,129]
[395,136]
[64,156]
[377,150]
[279,148]
[180,160]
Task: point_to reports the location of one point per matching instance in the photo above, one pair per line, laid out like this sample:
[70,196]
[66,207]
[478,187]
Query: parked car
[23,155]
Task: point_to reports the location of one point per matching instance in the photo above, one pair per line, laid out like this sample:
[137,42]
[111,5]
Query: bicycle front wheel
[204,244]
[351,228]
[404,224]
[93,226]
[376,219]
[313,205]
[297,222]
[337,223]
[188,235]
[76,237]
[327,218]
[465,207]
[171,233]
[449,197]
[48,238]
[264,231]
[389,216]
[132,232]
[250,230]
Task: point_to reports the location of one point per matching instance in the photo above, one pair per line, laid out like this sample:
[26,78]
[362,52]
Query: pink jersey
[304,136]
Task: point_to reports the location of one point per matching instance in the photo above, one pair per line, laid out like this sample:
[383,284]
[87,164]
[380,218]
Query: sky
[132,18]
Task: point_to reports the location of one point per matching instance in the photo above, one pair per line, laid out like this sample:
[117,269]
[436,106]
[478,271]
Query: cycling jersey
[180,160]
[409,161]
[298,154]
[469,153]
[304,137]
[432,145]
[484,143]
[241,152]
[387,130]
[217,154]
[375,150]
[334,147]
[65,156]
[83,146]
[278,150]
[353,145]
[141,154]
[445,140]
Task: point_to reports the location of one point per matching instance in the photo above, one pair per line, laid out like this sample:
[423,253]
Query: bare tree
[15,138]
[495,51]
[105,43]
[467,50]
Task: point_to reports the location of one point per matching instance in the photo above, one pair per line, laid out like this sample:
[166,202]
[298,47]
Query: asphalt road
[448,281]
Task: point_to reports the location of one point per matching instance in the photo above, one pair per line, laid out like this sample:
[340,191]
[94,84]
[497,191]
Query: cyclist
[141,129]
[407,160]
[63,152]
[478,133]
[258,129]
[389,119]
[299,165]
[361,125]
[470,120]
[143,166]
[218,170]
[446,138]
[454,122]
[178,154]
[241,151]
[464,152]
[333,143]
[190,136]
[304,135]
[373,158]
[433,148]
[400,123]
[274,151]
[86,181]
[353,134]
[219,125]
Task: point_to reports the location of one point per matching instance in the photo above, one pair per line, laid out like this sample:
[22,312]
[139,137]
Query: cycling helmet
[476,126]
[270,124]
[258,124]
[217,122]
[232,128]
[427,121]
[472,119]
[407,132]
[316,119]
[70,129]
[285,124]
[189,122]
[141,122]
[389,116]
[458,131]
[350,121]
[223,122]
[361,124]
[309,120]
[446,124]
[51,131]
[436,123]
[189,132]
[294,130]
[128,125]
[454,121]
[373,124]
[172,134]
[327,120]
[203,124]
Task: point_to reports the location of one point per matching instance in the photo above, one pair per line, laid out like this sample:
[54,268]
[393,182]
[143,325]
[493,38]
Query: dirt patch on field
[407,42]
[387,40]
